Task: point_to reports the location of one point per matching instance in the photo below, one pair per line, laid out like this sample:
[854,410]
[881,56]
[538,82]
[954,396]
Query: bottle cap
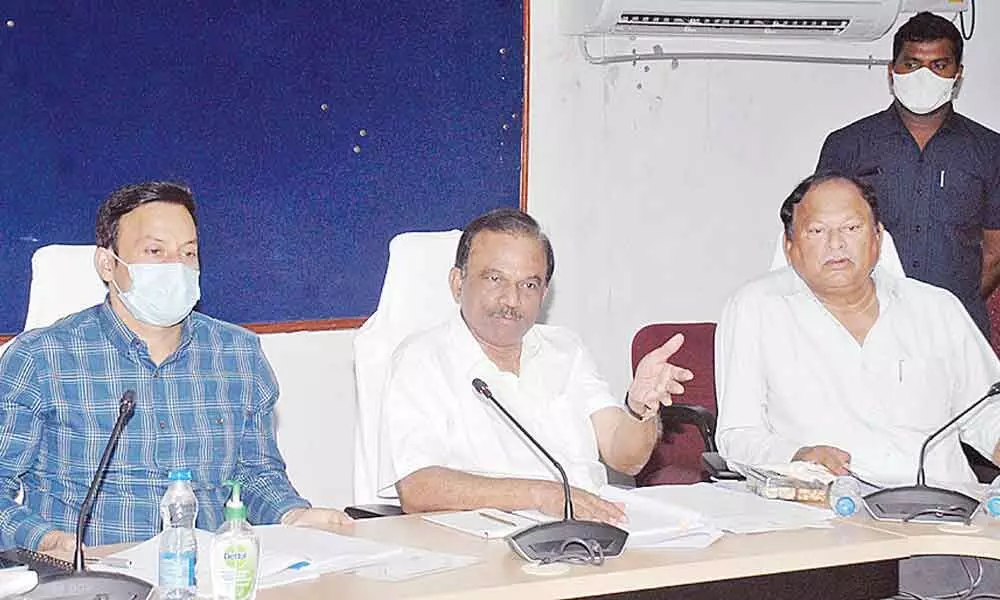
[235,509]
[180,475]
[845,506]
[993,506]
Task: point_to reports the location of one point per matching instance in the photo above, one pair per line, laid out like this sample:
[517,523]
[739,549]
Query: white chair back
[415,296]
[63,281]
[888,257]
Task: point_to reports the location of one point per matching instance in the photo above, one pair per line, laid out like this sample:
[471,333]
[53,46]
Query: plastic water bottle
[178,546]
[845,496]
[991,499]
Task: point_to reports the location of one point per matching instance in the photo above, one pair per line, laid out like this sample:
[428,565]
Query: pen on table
[497,519]
[110,561]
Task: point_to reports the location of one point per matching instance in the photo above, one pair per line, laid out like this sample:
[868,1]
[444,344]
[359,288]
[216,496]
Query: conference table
[857,558]
[853,559]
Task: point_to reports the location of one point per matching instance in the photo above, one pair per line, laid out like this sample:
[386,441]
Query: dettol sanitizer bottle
[235,553]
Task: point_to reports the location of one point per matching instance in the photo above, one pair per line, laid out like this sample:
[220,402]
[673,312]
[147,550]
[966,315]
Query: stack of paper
[737,511]
[654,523]
[667,516]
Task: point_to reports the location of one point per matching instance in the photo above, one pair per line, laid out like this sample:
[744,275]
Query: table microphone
[85,584]
[922,502]
[547,541]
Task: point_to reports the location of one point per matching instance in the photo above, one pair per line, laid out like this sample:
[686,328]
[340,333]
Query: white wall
[660,186]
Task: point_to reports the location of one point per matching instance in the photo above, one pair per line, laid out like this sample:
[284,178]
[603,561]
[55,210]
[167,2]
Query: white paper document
[288,554]
[694,516]
[654,523]
[414,562]
[738,511]
[486,522]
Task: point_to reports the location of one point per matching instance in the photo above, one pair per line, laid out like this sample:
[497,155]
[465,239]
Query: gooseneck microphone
[126,408]
[91,584]
[922,502]
[484,389]
[547,541]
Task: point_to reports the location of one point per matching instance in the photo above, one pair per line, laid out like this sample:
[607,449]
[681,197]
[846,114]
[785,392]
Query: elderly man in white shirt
[835,361]
[450,449]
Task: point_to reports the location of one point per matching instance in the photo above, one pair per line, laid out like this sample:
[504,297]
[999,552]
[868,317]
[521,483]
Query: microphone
[82,583]
[922,502]
[546,540]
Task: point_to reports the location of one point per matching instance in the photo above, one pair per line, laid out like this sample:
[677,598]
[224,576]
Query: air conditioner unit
[768,19]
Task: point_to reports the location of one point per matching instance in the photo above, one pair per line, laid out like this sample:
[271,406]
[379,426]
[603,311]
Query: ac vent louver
[691,24]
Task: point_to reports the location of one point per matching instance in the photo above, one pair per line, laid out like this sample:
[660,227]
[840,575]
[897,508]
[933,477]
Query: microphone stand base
[921,503]
[87,585]
[546,540]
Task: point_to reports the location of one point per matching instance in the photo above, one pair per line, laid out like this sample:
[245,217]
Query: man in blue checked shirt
[204,391]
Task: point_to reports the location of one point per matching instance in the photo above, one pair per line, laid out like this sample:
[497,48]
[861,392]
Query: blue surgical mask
[162,294]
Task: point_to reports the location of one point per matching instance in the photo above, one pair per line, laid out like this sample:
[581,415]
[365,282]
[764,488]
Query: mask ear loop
[113,281]
[956,88]
[116,257]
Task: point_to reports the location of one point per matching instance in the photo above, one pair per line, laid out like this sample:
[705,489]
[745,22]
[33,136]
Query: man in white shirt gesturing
[452,450]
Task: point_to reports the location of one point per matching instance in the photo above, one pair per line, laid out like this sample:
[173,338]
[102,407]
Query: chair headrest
[415,293]
[63,281]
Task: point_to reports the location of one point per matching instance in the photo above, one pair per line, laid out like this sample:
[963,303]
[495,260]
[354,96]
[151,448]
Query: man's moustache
[507,313]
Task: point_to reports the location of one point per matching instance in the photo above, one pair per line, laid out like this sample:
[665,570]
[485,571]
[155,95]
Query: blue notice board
[311,133]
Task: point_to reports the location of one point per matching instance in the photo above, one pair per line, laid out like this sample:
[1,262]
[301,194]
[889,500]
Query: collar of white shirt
[474,361]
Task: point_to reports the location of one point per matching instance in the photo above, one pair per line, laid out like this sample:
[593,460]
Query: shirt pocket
[216,453]
[958,197]
[914,392]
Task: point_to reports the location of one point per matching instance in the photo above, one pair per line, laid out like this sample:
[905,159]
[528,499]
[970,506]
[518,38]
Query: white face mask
[162,294]
[922,91]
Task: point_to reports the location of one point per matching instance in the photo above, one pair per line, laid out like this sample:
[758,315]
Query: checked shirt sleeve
[267,491]
[21,426]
